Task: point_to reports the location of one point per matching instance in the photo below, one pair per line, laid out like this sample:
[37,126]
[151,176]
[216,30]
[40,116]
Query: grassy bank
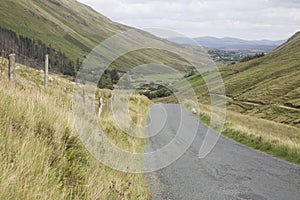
[277,139]
[41,156]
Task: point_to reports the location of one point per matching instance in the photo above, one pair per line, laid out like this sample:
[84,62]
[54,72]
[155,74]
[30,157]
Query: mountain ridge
[231,43]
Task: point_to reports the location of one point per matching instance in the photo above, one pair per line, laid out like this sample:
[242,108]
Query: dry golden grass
[275,138]
[41,156]
[284,134]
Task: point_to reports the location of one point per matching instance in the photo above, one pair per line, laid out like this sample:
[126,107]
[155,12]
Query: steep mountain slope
[66,24]
[75,29]
[273,79]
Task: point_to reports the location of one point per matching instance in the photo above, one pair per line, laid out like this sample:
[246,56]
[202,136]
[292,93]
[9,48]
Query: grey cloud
[249,19]
[286,3]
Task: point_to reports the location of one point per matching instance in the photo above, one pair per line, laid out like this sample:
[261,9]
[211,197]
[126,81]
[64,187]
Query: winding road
[231,170]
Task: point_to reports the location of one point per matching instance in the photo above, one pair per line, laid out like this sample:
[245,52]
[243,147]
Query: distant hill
[228,43]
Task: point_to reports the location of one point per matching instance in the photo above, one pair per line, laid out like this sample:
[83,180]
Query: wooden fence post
[11,70]
[3,56]
[46,70]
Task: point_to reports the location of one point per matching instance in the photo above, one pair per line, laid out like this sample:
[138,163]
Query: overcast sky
[246,19]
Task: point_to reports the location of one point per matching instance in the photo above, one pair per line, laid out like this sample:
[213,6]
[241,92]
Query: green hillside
[268,87]
[75,29]
[66,24]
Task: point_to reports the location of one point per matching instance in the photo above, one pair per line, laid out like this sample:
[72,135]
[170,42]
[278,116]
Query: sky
[245,19]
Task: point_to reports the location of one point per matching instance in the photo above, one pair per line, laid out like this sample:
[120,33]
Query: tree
[29,51]
[251,57]
[114,76]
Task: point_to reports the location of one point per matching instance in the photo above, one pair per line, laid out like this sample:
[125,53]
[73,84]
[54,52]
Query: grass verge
[41,156]
[277,139]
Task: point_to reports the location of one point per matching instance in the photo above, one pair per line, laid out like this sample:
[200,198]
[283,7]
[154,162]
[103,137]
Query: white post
[100,107]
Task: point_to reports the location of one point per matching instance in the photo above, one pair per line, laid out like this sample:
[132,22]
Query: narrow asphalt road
[230,171]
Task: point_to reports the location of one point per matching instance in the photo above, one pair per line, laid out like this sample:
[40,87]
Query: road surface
[230,171]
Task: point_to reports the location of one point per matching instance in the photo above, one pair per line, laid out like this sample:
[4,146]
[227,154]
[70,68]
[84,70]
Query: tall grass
[274,138]
[41,156]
